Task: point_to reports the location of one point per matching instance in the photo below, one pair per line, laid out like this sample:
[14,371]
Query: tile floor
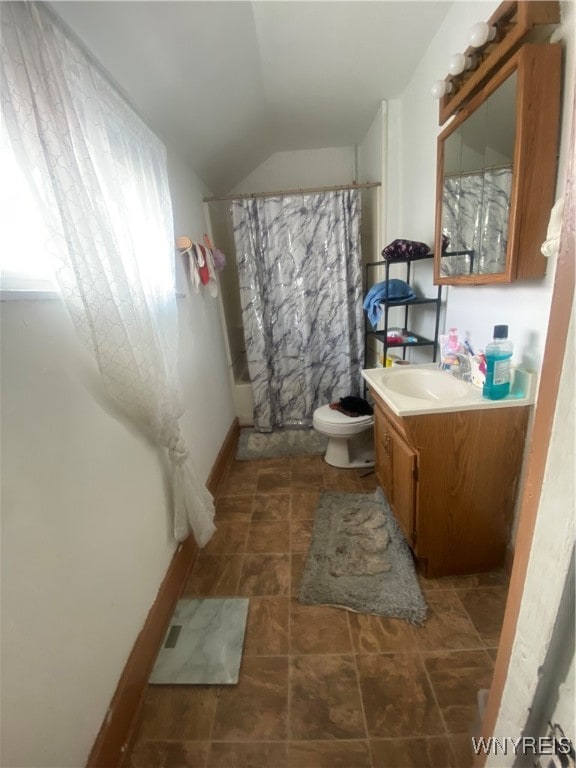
[320,687]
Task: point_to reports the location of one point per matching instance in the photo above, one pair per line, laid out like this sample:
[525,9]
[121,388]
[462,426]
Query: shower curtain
[301,296]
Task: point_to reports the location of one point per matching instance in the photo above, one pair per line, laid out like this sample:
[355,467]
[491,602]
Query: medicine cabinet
[496,174]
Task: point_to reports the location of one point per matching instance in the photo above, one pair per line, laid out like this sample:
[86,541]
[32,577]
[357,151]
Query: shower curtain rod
[284,193]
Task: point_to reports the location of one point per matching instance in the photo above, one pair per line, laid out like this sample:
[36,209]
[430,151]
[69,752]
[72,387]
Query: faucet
[460,366]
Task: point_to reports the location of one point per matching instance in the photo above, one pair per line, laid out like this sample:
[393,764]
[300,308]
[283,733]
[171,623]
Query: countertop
[469,397]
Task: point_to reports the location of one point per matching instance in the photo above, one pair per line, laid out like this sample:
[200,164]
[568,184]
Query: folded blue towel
[393,290]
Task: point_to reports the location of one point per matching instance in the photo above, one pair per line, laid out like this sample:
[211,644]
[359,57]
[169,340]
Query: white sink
[427,385]
[420,389]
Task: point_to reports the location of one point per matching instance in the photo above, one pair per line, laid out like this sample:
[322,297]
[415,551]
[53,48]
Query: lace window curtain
[99,176]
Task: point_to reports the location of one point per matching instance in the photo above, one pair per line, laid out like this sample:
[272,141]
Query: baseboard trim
[225,456]
[110,744]
[116,732]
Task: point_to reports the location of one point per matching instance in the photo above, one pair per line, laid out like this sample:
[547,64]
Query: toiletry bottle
[498,356]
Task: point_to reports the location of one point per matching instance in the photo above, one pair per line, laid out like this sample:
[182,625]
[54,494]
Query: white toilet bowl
[350,439]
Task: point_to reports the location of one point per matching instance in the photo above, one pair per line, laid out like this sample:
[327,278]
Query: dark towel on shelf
[353,406]
[405,249]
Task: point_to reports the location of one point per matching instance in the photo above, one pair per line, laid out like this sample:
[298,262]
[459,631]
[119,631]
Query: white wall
[300,169]
[371,166]
[523,305]
[86,523]
[536,663]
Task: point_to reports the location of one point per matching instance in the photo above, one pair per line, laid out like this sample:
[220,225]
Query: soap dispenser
[498,358]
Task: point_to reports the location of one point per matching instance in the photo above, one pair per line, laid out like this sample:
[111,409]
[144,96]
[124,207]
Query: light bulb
[441,88]
[458,63]
[481,33]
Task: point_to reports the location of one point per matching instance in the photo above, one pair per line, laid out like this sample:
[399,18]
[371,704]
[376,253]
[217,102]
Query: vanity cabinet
[397,472]
[451,480]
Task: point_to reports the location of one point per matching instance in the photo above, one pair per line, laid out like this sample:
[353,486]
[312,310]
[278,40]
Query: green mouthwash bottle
[498,357]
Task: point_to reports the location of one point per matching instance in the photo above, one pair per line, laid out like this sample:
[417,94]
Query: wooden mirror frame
[534,166]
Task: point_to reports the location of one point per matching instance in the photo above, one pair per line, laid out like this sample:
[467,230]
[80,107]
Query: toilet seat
[338,424]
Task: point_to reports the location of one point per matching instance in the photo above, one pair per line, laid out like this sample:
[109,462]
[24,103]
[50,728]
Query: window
[24,262]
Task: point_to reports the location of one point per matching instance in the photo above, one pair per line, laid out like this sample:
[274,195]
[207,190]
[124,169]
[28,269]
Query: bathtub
[242,393]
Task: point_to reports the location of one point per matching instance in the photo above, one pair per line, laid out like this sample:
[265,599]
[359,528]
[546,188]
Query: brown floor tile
[214,576]
[328,754]
[177,712]
[412,753]
[448,626]
[490,579]
[267,536]
[265,575]
[318,629]
[462,748]
[376,634]
[273,481]
[485,606]
[456,678]
[297,563]
[368,482]
[324,699]
[229,539]
[267,627]
[256,754]
[301,535]
[248,467]
[271,507]
[280,464]
[414,687]
[256,708]
[398,699]
[310,463]
[308,482]
[169,754]
[304,505]
[493,653]
[239,482]
[434,585]
[341,479]
[237,508]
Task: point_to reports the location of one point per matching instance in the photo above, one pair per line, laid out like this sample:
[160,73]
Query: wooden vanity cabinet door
[404,478]
[383,455]
[396,468]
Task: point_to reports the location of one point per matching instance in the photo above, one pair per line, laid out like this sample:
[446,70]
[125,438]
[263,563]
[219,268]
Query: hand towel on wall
[200,269]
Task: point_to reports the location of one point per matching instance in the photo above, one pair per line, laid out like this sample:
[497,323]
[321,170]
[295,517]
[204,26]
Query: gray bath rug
[359,559]
[203,644]
[280,442]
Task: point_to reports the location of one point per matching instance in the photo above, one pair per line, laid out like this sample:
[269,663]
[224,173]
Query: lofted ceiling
[229,83]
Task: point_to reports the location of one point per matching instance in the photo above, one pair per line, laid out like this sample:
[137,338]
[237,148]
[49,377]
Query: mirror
[486,178]
[477,173]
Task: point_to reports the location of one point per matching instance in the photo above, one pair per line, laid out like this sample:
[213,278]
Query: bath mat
[359,559]
[203,644]
[280,442]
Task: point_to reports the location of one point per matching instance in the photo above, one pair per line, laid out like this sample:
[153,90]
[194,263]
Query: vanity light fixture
[459,62]
[491,43]
[441,88]
[481,34]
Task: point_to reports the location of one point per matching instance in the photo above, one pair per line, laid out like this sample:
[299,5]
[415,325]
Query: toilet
[350,438]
